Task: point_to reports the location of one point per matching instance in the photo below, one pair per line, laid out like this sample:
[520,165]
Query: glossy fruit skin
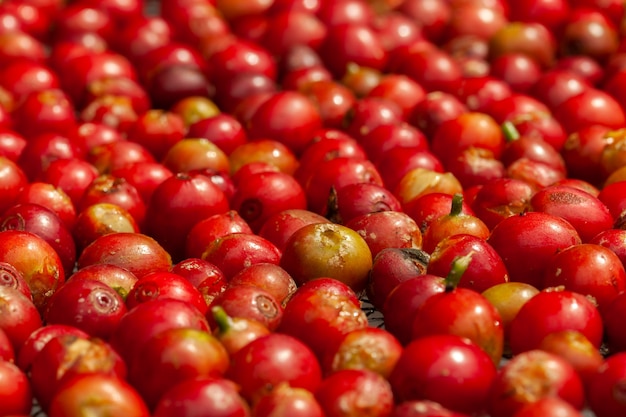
[11,277]
[569,204]
[533,147]
[46,224]
[432,68]
[612,196]
[30,255]
[15,390]
[233,252]
[526,242]
[269,277]
[501,198]
[235,332]
[371,348]
[126,87]
[423,408]
[394,163]
[94,134]
[420,373]
[385,137]
[508,298]
[321,149]
[578,112]
[387,229]
[248,302]
[217,396]
[173,356]
[614,338]
[475,166]
[139,253]
[7,352]
[517,69]
[428,207]
[297,402]
[403,91]
[419,182]
[588,269]
[528,37]
[51,197]
[71,398]
[557,85]
[406,299]
[190,44]
[473,129]
[165,284]
[370,112]
[66,357]
[554,310]
[355,392]
[212,227]
[279,227]
[195,153]
[38,340]
[485,270]
[222,129]
[299,117]
[287,29]
[359,45]
[118,278]
[322,306]
[268,151]
[23,77]
[589,33]
[88,305]
[454,312]
[507,395]
[436,108]
[337,173]
[311,252]
[453,223]
[582,152]
[537,174]
[576,349]
[106,188]
[390,267]
[604,392]
[272,359]
[109,156]
[53,109]
[358,199]
[99,219]
[548,406]
[264,194]
[72,175]
[240,56]
[161,314]
[157,130]
[185,199]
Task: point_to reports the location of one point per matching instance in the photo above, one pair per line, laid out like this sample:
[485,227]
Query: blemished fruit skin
[302,207]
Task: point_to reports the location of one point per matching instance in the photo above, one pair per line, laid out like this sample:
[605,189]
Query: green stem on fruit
[122,292]
[224,321]
[457,269]
[510,131]
[457,204]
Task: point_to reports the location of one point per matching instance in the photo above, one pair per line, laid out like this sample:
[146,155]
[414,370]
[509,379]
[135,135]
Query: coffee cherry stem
[457,204]
[457,269]
[510,131]
[224,321]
